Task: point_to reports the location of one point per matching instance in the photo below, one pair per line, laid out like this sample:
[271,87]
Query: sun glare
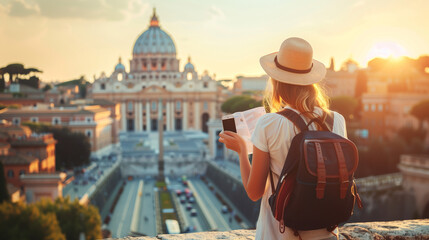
[387,49]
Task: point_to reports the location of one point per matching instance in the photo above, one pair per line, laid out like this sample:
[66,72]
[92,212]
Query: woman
[294,75]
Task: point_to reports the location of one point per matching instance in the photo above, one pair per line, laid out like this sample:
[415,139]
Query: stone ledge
[394,230]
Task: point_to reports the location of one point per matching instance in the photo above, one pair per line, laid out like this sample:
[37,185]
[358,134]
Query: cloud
[20,8]
[216,13]
[78,9]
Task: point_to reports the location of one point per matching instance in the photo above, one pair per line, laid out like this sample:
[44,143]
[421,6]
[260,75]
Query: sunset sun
[387,49]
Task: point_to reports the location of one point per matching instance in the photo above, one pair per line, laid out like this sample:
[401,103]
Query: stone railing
[398,230]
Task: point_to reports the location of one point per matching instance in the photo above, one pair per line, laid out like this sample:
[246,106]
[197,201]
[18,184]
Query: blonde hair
[302,98]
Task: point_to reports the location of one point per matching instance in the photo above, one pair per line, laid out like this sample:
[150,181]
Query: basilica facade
[155,86]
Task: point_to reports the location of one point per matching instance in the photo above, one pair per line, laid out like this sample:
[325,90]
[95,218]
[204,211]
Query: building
[340,83]
[245,84]
[93,121]
[154,84]
[25,152]
[385,113]
[29,164]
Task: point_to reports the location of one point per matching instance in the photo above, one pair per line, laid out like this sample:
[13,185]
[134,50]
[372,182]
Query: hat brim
[317,73]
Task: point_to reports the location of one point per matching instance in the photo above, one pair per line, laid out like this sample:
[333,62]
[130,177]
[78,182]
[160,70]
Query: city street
[120,222]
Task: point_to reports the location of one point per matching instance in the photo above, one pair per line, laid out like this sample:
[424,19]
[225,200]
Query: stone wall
[398,230]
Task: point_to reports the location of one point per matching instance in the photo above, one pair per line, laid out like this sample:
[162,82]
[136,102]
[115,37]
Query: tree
[345,105]
[73,148]
[20,221]
[4,195]
[421,112]
[73,218]
[14,70]
[47,87]
[239,103]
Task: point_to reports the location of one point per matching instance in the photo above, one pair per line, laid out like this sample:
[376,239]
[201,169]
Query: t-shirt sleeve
[259,138]
[341,125]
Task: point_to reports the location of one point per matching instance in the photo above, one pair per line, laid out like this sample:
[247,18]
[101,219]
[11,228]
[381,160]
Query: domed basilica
[154,84]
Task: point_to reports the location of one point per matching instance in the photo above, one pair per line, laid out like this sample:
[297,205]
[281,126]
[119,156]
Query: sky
[70,38]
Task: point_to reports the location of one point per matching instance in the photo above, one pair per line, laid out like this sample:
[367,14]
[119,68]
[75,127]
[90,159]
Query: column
[148,116]
[168,115]
[173,114]
[136,117]
[140,116]
[212,109]
[185,115]
[123,117]
[197,115]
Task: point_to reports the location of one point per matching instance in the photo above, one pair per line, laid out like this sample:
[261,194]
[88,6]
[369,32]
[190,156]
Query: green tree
[421,112]
[47,87]
[345,105]
[239,103]
[72,150]
[4,195]
[20,221]
[73,218]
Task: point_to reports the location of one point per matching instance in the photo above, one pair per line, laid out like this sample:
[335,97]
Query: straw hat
[294,63]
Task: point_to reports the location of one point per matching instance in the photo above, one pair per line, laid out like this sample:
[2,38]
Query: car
[191,200]
[190,229]
[183,200]
[188,207]
[224,209]
[178,192]
[193,212]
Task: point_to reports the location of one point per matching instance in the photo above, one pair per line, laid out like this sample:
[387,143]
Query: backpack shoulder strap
[295,118]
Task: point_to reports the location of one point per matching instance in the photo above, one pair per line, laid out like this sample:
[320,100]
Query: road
[147,223]
[121,219]
[215,206]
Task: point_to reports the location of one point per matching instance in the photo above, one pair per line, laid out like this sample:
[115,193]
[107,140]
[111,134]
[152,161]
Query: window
[178,106]
[120,76]
[21,172]
[88,133]
[130,106]
[380,107]
[206,84]
[56,120]
[34,119]
[143,87]
[88,119]
[16,120]
[10,173]
[373,107]
[154,106]
[365,107]
[206,106]
[103,86]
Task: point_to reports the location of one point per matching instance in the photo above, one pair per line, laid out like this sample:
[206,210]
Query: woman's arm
[254,176]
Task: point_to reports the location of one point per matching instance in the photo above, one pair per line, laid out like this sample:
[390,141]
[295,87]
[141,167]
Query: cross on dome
[154,22]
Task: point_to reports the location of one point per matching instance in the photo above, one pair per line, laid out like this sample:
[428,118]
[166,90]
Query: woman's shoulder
[338,117]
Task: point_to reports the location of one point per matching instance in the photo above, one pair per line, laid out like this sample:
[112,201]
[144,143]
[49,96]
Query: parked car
[193,212]
[224,209]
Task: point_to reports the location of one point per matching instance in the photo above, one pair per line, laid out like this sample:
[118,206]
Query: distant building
[340,83]
[29,164]
[21,94]
[93,121]
[189,101]
[250,84]
[385,113]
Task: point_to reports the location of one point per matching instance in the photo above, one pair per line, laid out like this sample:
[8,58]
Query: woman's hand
[233,141]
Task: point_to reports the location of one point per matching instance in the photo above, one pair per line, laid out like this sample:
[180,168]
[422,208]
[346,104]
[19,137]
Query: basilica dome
[154,40]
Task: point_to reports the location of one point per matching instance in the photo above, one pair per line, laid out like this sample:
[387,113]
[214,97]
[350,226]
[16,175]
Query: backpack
[316,187]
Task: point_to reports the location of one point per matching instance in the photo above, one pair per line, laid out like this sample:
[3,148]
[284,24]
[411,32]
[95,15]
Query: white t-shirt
[273,133]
